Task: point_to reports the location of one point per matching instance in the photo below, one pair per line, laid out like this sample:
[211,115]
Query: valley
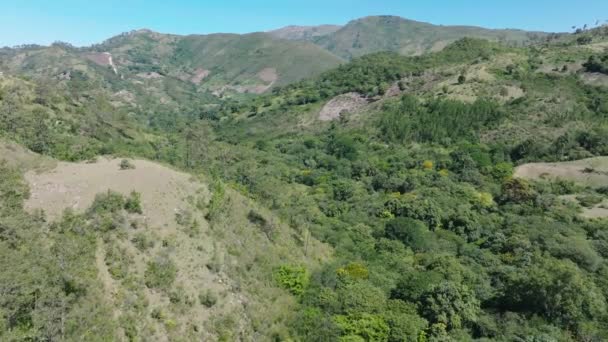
[385,180]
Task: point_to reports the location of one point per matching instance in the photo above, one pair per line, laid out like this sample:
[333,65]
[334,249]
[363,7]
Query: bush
[133,203]
[160,273]
[260,221]
[292,278]
[208,298]
[126,165]
[597,64]
[142,241]
[108,202]
[364,327]
[183,217]
[590,200]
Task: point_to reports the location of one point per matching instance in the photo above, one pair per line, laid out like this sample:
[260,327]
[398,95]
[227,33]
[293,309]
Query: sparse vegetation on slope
[408,37]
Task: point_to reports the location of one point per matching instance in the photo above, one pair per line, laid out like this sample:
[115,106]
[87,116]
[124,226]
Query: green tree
[454,305]
[412,233]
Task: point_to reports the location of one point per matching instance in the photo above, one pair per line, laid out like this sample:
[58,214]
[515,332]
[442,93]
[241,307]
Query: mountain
[143,65]
[171,66]
[217,60]
[452,196]
[408,37]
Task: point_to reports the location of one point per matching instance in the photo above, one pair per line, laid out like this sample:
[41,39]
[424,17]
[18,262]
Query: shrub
[160,273]
[590,200]
[292,278]
[133,203]
[208,298]
[364,327]
[183,217]
[108,202]
[260,221]
[517,190]
[142,242]
[597,64]
[125,164]
[354,270]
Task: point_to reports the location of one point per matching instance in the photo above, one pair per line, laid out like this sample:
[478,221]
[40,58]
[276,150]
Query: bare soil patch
[100,58]
[595,78]
[268,75]
[199,75]
[74,185]
[345,103]
[592,172]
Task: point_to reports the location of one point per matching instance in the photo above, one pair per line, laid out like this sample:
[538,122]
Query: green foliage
[597,64]
[133,203]
[160,273]
[412,233]
[451,304]
[557,290]
[108,202]
[589,200]
[208,298]
[49,279]
[440,121]
[292,278]
[363,327]
[216,203]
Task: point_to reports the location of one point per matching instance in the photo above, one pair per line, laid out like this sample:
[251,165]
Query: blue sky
[83,22]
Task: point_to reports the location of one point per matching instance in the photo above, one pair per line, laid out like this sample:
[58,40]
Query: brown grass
[348,103]
[577,171]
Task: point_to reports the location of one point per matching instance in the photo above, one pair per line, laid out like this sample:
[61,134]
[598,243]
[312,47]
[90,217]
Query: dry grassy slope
[232,258]
[591,172]
[21,158]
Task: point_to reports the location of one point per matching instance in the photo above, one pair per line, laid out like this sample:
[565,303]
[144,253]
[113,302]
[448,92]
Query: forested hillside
[377,201]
